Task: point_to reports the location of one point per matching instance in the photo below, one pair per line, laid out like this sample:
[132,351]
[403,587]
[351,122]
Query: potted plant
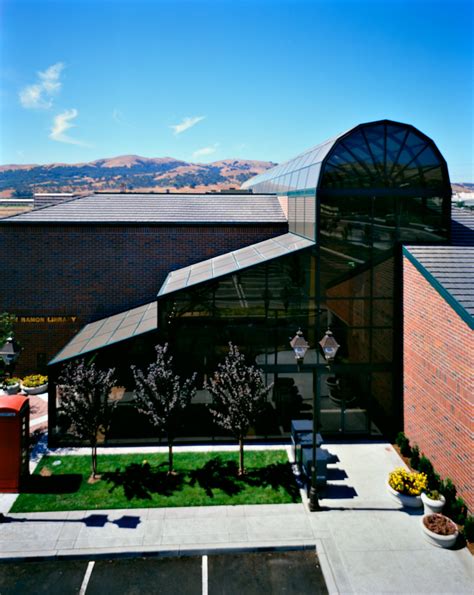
[439,530]
[35,384]
[11,385]
[433,501]
[406,486]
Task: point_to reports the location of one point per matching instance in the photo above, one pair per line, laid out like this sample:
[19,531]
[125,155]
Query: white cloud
[39,95]
[205,151]
[186,123]
[62,123]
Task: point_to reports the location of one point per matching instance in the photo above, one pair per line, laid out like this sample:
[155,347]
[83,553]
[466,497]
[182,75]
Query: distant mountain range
[127,172]
[140,174]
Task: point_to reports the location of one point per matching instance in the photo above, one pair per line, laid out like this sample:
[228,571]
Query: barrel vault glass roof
[305,167]
[381,154]
[112,329]
[233,262]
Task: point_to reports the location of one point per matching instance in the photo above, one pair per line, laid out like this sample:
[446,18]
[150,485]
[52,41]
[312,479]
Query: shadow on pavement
[92,520]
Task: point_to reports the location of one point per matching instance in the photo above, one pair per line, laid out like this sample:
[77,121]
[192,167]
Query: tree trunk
[94,461]
[170,455]
[241,456]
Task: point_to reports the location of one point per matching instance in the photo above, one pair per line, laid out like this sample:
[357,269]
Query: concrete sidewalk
[366,544]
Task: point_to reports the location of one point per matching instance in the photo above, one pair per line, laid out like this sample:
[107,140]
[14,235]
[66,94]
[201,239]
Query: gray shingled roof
[160,208]
[462,227]
[452,267]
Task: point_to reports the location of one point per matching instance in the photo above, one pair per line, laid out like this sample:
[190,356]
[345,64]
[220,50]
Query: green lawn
[130,481]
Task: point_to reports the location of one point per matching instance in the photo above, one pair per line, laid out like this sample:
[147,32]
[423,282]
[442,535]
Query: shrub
[11,381]
[415,457]
[468,529]
[425,466]
[407,482]
[434,482]
[403,444]
[34,380]
[448,490]
[457,510]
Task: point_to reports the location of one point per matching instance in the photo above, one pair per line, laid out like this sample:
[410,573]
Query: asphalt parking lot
[292,572]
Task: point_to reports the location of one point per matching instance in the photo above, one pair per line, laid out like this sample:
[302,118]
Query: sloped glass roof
[381,154]
[112,329]
[233,261]
[299,173]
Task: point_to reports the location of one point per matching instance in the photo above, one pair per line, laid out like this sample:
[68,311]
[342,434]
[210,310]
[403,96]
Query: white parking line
[204,575]
[86,579]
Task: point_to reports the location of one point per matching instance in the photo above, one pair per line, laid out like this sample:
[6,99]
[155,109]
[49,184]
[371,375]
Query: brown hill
[127,172]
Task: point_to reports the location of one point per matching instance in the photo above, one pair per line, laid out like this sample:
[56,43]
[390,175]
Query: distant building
[47,199]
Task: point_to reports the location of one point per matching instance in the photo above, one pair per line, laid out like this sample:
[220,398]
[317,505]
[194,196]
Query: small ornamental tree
[6,332]
[85,403]
[162,397]
[6,327]
[239,396]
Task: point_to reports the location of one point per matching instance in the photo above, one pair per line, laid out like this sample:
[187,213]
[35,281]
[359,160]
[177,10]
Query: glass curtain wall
[259,309]
[374,188]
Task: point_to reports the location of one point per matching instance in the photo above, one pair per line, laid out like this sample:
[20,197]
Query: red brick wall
[438,382]
[94,271]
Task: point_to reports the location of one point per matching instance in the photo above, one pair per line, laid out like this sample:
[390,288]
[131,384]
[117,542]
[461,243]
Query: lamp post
[329,346]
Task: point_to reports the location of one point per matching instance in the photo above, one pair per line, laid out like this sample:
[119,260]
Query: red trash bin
[14,437]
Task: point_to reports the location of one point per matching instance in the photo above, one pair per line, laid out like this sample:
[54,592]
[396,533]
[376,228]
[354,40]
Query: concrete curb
[164,551]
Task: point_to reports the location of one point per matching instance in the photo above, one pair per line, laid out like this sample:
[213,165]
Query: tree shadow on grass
[217,475]
[53,484]
[276,476]
[141,481]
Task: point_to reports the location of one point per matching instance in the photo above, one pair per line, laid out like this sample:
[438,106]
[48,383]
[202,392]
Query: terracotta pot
[404,500]
[445,541]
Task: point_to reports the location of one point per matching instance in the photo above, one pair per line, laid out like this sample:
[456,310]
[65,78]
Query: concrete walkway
[365,542]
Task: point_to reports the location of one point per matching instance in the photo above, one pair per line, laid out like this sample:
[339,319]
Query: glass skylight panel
[123,333]
[110,330]
[72,349]
[223,269]
[146,325]
[95,342]
[249,259]
[135,319]
[233,262]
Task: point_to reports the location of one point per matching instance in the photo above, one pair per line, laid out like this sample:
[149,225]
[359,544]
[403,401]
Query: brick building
[66,265]
[319,248]
[438,353]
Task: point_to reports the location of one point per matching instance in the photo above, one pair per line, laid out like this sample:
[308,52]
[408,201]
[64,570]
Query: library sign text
[45,319]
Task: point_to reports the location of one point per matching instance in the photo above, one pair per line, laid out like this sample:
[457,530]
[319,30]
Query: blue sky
[207,80]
